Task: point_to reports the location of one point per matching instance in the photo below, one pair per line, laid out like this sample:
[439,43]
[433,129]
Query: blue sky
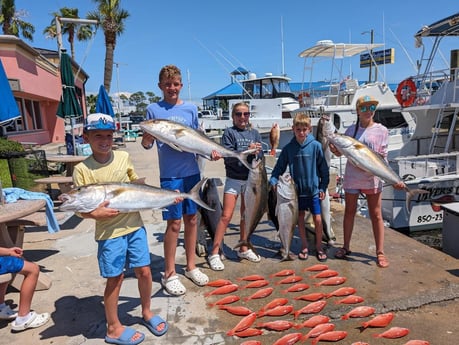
[208,39]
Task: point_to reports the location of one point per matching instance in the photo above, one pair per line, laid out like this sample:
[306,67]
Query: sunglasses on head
[368,108]
[240,113]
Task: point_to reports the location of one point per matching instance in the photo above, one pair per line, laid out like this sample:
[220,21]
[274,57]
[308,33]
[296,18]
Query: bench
[16,230]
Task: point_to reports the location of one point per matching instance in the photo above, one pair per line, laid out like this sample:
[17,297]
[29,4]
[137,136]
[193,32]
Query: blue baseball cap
[99,121]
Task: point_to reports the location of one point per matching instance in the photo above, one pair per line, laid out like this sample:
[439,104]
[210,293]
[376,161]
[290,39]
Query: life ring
[406,92]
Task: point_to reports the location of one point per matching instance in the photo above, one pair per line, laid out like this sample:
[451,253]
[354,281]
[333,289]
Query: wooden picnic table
[69,160]
[13,236]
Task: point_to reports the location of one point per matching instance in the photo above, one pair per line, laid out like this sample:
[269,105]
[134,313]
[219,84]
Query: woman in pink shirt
[357,181]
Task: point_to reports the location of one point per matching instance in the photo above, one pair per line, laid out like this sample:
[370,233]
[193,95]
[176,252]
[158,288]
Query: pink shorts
[364,191]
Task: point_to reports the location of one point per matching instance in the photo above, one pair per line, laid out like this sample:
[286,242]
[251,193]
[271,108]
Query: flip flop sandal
[126,337]
[321,256]
[249,255]
[342,253]
[35,320]
[153,324]
[197,277]
[7,314]
[381,260]
[304,254]
[216,263]
[173,285]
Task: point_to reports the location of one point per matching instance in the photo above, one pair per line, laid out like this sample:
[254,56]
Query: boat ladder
[440,116]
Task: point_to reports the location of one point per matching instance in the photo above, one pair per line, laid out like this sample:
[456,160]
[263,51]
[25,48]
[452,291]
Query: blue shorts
[113,254]
[309,203]
[233,186]
[184,185]
[11,264]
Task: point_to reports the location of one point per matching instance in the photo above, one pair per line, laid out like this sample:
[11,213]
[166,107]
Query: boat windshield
[267,88]
[390,119]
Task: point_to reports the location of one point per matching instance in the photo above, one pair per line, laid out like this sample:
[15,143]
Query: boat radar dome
[252,76]
[325,43]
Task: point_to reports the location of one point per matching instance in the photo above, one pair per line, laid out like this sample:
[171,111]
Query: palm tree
[112,18]
[83,32]
[91,101]
[11,21]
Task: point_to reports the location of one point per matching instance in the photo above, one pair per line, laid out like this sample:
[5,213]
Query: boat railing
[428,165]
[428,84]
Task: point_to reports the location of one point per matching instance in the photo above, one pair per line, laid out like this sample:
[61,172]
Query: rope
[86,53]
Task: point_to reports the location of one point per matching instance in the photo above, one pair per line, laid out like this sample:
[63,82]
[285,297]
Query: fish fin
[175,147]
[359,146]
[194,195]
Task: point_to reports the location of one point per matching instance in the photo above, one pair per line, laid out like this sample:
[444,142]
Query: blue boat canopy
[448,26]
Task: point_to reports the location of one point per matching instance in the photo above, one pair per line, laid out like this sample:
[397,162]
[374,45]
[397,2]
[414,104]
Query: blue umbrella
[103,104]
[8,107]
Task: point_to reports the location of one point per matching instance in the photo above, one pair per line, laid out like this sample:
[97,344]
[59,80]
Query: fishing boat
[338,98]
[270,100]
[429,160]
[342,94]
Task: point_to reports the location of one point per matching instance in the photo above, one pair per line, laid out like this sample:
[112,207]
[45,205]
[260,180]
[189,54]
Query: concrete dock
[421,286]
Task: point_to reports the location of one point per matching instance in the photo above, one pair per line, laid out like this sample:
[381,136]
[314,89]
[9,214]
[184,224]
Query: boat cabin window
[266,88]
[390,119]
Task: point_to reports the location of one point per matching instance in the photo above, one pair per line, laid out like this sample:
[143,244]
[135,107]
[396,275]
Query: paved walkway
[421,286]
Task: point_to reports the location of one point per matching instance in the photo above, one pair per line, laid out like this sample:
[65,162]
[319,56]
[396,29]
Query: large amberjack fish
[210,219]
[365,158]
[256,199]
[210,196]
[125,197]
[329,234]
[183,138]
[286,212]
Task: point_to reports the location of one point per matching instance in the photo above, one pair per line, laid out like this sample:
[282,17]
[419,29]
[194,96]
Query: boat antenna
[237,81]
[233,57]
[282,46]
[405,51]
[222,65]
[189,84]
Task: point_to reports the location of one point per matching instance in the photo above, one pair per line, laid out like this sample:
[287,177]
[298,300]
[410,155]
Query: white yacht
[269,98]
[430,159]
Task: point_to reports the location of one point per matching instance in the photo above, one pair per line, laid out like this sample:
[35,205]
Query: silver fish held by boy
[329,234]
[366,159]
[125,197]
[286,212]
[256,200]
[183,138]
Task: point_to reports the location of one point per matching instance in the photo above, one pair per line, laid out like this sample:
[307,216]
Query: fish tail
[194,195]
[410,193]
[243,157]
[245,243]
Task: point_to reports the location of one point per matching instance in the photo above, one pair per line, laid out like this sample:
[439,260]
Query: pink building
[35,80]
